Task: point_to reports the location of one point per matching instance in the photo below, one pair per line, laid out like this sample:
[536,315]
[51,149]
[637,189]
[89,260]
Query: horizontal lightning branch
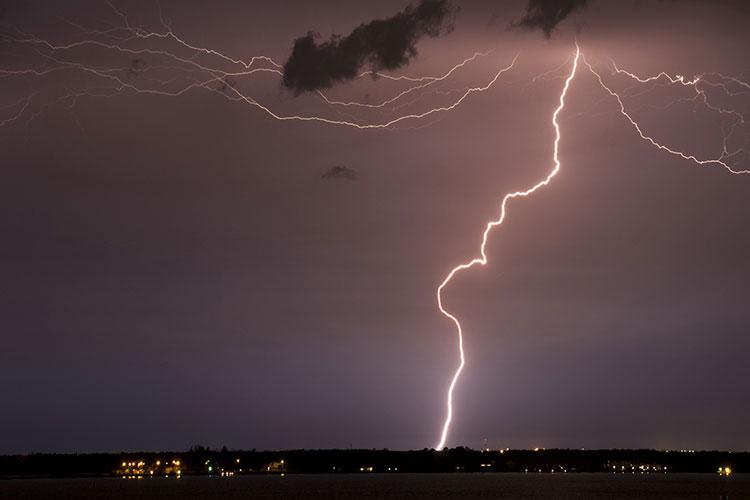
[720,160]
[187,70]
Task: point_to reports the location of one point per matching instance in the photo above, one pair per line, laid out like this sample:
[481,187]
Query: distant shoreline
[200,461]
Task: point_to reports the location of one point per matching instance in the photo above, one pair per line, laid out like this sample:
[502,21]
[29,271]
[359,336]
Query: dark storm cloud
[547,14]
[381,44]
[339,172]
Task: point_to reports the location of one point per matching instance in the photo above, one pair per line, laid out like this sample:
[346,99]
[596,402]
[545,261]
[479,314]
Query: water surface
[397,486]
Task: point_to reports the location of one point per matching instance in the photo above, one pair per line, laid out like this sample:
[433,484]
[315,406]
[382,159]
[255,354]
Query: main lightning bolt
[482,260]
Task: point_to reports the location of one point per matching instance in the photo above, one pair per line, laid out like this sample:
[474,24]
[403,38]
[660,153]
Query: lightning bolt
[482,259]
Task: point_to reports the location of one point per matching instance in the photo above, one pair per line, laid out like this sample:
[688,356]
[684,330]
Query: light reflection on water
[401,486]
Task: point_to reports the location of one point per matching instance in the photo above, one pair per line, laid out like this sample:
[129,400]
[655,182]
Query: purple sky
[175,271]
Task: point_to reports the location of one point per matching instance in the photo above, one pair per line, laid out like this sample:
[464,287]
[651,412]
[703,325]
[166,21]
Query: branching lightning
[679,79]
[430,80]
[196,75]
[482,259]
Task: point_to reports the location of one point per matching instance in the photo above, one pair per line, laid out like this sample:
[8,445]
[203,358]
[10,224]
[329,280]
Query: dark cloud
[382,44]
[137,66]
[339,172]
[224,85]
[547,14]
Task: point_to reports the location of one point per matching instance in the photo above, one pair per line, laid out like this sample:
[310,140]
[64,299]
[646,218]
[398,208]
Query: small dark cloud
[224,85]
[340,172]
[547,14]
[137,66]
[383,44]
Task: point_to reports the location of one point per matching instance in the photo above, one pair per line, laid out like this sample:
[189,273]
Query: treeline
[201,460]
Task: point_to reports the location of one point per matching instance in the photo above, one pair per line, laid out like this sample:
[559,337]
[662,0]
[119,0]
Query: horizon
[457,447]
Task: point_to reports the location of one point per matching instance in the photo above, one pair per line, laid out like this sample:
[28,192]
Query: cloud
[339,172]
[547,14]
[383,44]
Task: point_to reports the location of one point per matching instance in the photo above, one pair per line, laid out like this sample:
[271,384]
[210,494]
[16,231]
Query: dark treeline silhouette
[201,460]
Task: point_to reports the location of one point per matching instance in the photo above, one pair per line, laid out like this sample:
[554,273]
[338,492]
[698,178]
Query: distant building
[137,469]
[276,467]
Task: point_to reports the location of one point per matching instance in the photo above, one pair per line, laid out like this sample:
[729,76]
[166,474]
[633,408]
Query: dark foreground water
[406,486]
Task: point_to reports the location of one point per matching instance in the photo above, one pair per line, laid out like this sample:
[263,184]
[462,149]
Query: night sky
[189,270]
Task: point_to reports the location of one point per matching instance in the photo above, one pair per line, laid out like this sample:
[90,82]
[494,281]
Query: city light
[725,471]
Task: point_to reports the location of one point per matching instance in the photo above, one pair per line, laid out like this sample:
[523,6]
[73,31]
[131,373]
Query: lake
[386,486]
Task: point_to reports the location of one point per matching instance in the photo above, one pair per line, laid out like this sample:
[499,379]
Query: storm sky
[182,270]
